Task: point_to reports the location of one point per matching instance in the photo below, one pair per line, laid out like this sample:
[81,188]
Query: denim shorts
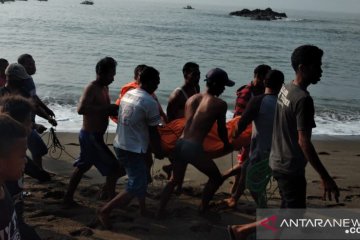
[135,167]
[292,190]
[94,151]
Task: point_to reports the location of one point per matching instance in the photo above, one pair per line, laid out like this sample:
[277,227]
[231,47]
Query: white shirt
[137,111]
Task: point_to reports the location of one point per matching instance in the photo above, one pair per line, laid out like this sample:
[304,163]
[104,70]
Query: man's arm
[43,106]
[155,142]
[43,114]
[250,113]
[173,106]
[311,156]
[87,106]
[222,130]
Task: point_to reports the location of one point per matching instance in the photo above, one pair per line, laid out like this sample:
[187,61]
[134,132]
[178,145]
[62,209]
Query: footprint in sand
[89,192]
[124,218]
[138,229]
[54,194]
[335,205]
[201,227]
[86,232]
[349,198]
[314,197]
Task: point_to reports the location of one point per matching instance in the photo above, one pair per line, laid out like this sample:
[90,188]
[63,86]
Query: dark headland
[258,14]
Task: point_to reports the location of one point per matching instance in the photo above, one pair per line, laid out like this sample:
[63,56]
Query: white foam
[329,124]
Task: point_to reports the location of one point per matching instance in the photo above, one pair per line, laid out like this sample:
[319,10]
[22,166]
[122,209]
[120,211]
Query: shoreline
[44,211]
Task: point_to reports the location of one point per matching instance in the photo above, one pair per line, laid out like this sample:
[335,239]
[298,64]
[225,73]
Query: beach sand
[52,220]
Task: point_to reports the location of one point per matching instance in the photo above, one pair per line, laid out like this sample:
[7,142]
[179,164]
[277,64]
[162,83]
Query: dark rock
[258,14]
[87,2]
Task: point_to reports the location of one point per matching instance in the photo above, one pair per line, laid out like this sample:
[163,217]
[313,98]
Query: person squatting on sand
[13,146]
[291,147]
[20,109]
[260,112]
[202,110]
[177,99]
[36,145]
[96,108]
[138,118]
[243,95]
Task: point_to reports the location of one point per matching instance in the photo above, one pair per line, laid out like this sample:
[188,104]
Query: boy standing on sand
[138,120]
[201,111]
[13,146]
[96,108]
[291,147]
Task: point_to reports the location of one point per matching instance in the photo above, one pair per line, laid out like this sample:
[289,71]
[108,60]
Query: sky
[352,6]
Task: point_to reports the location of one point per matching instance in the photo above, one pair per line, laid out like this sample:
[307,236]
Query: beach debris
[266,15]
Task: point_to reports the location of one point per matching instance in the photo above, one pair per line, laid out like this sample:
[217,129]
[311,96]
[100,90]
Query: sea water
[67,39]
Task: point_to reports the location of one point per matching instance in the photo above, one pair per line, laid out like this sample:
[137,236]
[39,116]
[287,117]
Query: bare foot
[104,220]
[241,232]
[231,202]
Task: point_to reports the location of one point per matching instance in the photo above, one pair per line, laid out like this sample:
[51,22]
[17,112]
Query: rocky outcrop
[258,14]
[86,2]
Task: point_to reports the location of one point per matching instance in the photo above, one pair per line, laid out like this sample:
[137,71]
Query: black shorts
[292,190]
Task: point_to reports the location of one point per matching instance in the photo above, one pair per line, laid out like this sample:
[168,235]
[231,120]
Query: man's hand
[159,155]
[330,187]
[52,121]
[228,148]
[113,110]
[40,128]
[51,113]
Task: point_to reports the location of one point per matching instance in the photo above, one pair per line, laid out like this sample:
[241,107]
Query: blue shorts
[94,151]
[36,145]
[135,167]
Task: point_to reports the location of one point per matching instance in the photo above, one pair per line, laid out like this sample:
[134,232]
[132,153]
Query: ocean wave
[329,122]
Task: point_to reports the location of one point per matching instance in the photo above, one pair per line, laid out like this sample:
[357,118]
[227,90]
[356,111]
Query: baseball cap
[16,70]
[219,76]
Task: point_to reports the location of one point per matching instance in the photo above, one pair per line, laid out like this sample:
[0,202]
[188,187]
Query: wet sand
[52,220]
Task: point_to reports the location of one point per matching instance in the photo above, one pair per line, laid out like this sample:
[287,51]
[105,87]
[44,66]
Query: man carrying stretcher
[201,111]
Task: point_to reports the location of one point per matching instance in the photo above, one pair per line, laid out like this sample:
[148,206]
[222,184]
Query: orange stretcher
[213,146]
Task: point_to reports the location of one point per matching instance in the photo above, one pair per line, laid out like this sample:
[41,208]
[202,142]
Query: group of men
[282,118]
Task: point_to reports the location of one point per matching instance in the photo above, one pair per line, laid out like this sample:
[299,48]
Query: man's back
[201,111]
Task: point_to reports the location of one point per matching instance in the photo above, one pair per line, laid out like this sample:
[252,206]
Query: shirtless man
[201,111]
[96,108]
[178,98]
